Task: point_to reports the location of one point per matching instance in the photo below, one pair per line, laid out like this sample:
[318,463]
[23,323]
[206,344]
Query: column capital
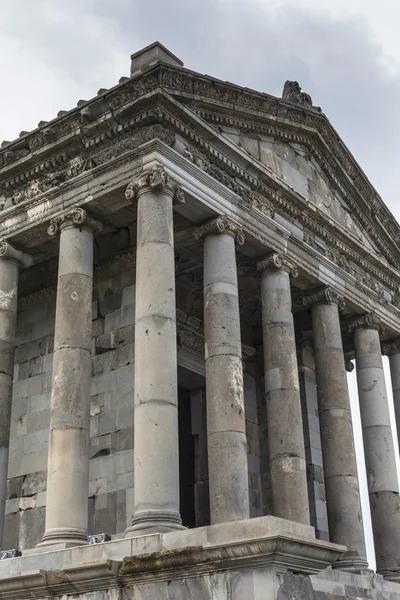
[391,347]
[348,365]
[223,225]
[326,295]
[154,178]
[368,321]
[77,217]
[8,252]
[278,261]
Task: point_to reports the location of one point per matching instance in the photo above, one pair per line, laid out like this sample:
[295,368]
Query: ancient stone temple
[187,269]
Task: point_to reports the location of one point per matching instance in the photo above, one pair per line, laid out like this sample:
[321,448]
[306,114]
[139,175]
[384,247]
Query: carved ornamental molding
[155,178]
[223,225]
[78,217]
[278,261]
[325,295]
[368,321]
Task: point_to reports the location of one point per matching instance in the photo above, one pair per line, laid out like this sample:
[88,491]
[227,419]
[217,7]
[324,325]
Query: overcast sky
[344,53]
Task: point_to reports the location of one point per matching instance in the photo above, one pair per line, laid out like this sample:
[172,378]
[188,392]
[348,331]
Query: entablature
[101,192]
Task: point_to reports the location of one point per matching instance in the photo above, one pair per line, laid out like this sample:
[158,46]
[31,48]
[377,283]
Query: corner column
[156,451]
[68,460]
[378,445]
[282,392]
[392,350]
[226,427]
[11,261]
[339,459]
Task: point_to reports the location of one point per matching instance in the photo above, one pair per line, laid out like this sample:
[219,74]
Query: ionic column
[11,261]
[226,427]
[338,452]
[285,428]
[392,350]
[378,445]
[156,452]
[68,459]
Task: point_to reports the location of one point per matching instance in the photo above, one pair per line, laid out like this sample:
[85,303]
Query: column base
[154,522]
[352,563]
[390,575]
[64,535]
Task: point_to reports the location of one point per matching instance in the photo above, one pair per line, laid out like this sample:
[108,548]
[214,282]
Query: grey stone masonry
[379,452]
[340,467]
[226,424]
[156,453]
[68,453]
[10,262]
[285,428]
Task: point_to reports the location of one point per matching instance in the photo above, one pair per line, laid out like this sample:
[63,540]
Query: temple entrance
[193,465]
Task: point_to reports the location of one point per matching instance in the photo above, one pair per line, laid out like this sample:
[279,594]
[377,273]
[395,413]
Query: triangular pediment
[293,163]
[271,145]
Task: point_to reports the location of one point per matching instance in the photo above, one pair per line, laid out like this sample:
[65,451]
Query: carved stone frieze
[325,295]
[77,216]
[367,321]
[278,261]
[131,142]
[154,178]
[221,224]
[292,93]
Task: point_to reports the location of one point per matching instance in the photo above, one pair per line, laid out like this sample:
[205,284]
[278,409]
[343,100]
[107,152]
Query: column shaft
[379,449]
[68,460]
[285,428]
[156,451]
[340,467]
[10,261]
[226,427]
[394,361]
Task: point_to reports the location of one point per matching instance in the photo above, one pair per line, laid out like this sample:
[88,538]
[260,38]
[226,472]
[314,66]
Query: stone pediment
[283,157]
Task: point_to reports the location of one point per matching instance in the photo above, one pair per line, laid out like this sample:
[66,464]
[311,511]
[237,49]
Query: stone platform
[255,559]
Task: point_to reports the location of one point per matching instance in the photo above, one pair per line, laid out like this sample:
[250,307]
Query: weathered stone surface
[226,427]
[285,428]
[380,461]
[340,468]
